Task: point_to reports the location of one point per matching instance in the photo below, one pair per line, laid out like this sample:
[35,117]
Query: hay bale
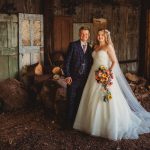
[13,95]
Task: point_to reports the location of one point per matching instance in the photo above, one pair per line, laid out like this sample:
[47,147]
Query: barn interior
[34,39]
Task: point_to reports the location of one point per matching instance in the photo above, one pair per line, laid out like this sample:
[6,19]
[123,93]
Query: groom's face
[84,35]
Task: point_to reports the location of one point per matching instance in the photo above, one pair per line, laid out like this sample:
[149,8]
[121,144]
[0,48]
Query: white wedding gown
[114,119]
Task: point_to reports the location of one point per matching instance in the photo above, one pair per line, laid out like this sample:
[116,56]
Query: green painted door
[8,46]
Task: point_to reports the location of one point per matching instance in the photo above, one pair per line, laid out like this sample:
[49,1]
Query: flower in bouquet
[104,76]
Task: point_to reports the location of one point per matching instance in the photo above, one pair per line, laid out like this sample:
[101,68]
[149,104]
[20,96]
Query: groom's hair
[84,28]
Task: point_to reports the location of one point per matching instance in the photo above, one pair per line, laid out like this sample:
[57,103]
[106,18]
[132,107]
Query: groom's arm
[68,60]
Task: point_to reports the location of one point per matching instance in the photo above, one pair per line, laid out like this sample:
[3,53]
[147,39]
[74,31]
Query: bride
[122,116]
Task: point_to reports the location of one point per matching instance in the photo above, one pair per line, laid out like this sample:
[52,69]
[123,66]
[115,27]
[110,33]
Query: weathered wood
[62,32]
[147,51]
[138,85]
[30,39]
[123,22]
[8,46]
[122,17]
[144,53]
[25,6]
[48,33]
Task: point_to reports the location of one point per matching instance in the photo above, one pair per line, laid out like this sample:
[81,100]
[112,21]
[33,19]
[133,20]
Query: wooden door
[62,33]
[31,47]
[8,46]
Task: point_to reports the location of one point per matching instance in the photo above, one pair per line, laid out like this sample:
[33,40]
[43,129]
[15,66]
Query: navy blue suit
[77,66]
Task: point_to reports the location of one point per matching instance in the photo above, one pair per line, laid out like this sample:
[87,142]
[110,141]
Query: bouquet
[104,76]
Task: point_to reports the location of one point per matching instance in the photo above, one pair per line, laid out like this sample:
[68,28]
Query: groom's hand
[68,80]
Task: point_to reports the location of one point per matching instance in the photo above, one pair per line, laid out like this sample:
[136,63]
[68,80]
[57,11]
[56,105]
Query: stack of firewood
[139,85]
[49,89]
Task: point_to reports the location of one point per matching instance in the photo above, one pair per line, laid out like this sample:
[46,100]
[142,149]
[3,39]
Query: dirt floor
[32,129]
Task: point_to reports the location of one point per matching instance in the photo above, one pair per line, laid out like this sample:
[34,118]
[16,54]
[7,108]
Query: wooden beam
[144,69]
[48,23]
[128,61]
[142,38]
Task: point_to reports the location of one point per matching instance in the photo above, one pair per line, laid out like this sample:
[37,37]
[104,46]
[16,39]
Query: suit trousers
[74,93]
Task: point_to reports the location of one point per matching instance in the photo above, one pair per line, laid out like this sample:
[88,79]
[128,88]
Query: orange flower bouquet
[104,76]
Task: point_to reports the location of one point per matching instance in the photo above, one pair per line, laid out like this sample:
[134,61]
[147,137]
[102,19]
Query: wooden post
[144,70]
[48,23]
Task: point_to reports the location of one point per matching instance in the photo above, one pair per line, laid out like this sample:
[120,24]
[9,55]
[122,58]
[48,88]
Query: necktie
[84,48]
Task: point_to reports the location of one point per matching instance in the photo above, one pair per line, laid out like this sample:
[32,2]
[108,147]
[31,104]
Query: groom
[77,66]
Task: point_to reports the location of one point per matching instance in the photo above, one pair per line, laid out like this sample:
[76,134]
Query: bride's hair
[107,36]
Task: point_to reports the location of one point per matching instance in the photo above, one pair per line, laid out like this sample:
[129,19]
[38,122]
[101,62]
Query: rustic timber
[144,55]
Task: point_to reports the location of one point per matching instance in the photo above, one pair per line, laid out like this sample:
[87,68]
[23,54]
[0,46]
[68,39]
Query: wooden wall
[25,6]
[123,22]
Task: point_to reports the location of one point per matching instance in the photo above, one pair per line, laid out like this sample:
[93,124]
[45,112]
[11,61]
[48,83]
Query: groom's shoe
[69,125]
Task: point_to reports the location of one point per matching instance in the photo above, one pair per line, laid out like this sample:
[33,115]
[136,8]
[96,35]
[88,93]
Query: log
[38,70]
[42,78]
[58,59]
[47,94]
[13,95]
[138,85]
[142,82]
[53,98]
[132,77]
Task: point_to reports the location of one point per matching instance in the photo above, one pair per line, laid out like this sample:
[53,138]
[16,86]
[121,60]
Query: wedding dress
[115,119]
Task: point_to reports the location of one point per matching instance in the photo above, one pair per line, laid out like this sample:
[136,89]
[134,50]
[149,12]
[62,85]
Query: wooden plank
[8,46]
[24,59]
[4,71]
[25,33]
[132,33]
[132,47]
[147,55]
[35,57]
[14,38]
[65,36]
[118,31]
[62,33]
[13,66]
[132,20]
[129,67]
[36,33]
[27,6]
[6,17]
[57,34]
[3,34]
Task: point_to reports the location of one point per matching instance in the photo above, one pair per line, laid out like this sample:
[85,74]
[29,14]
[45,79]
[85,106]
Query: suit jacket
[74,60]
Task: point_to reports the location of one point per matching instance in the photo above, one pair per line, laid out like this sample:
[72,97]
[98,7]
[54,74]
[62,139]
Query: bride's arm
[112,56]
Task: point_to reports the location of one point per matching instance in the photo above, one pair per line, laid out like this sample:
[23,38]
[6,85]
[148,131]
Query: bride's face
[101,36]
